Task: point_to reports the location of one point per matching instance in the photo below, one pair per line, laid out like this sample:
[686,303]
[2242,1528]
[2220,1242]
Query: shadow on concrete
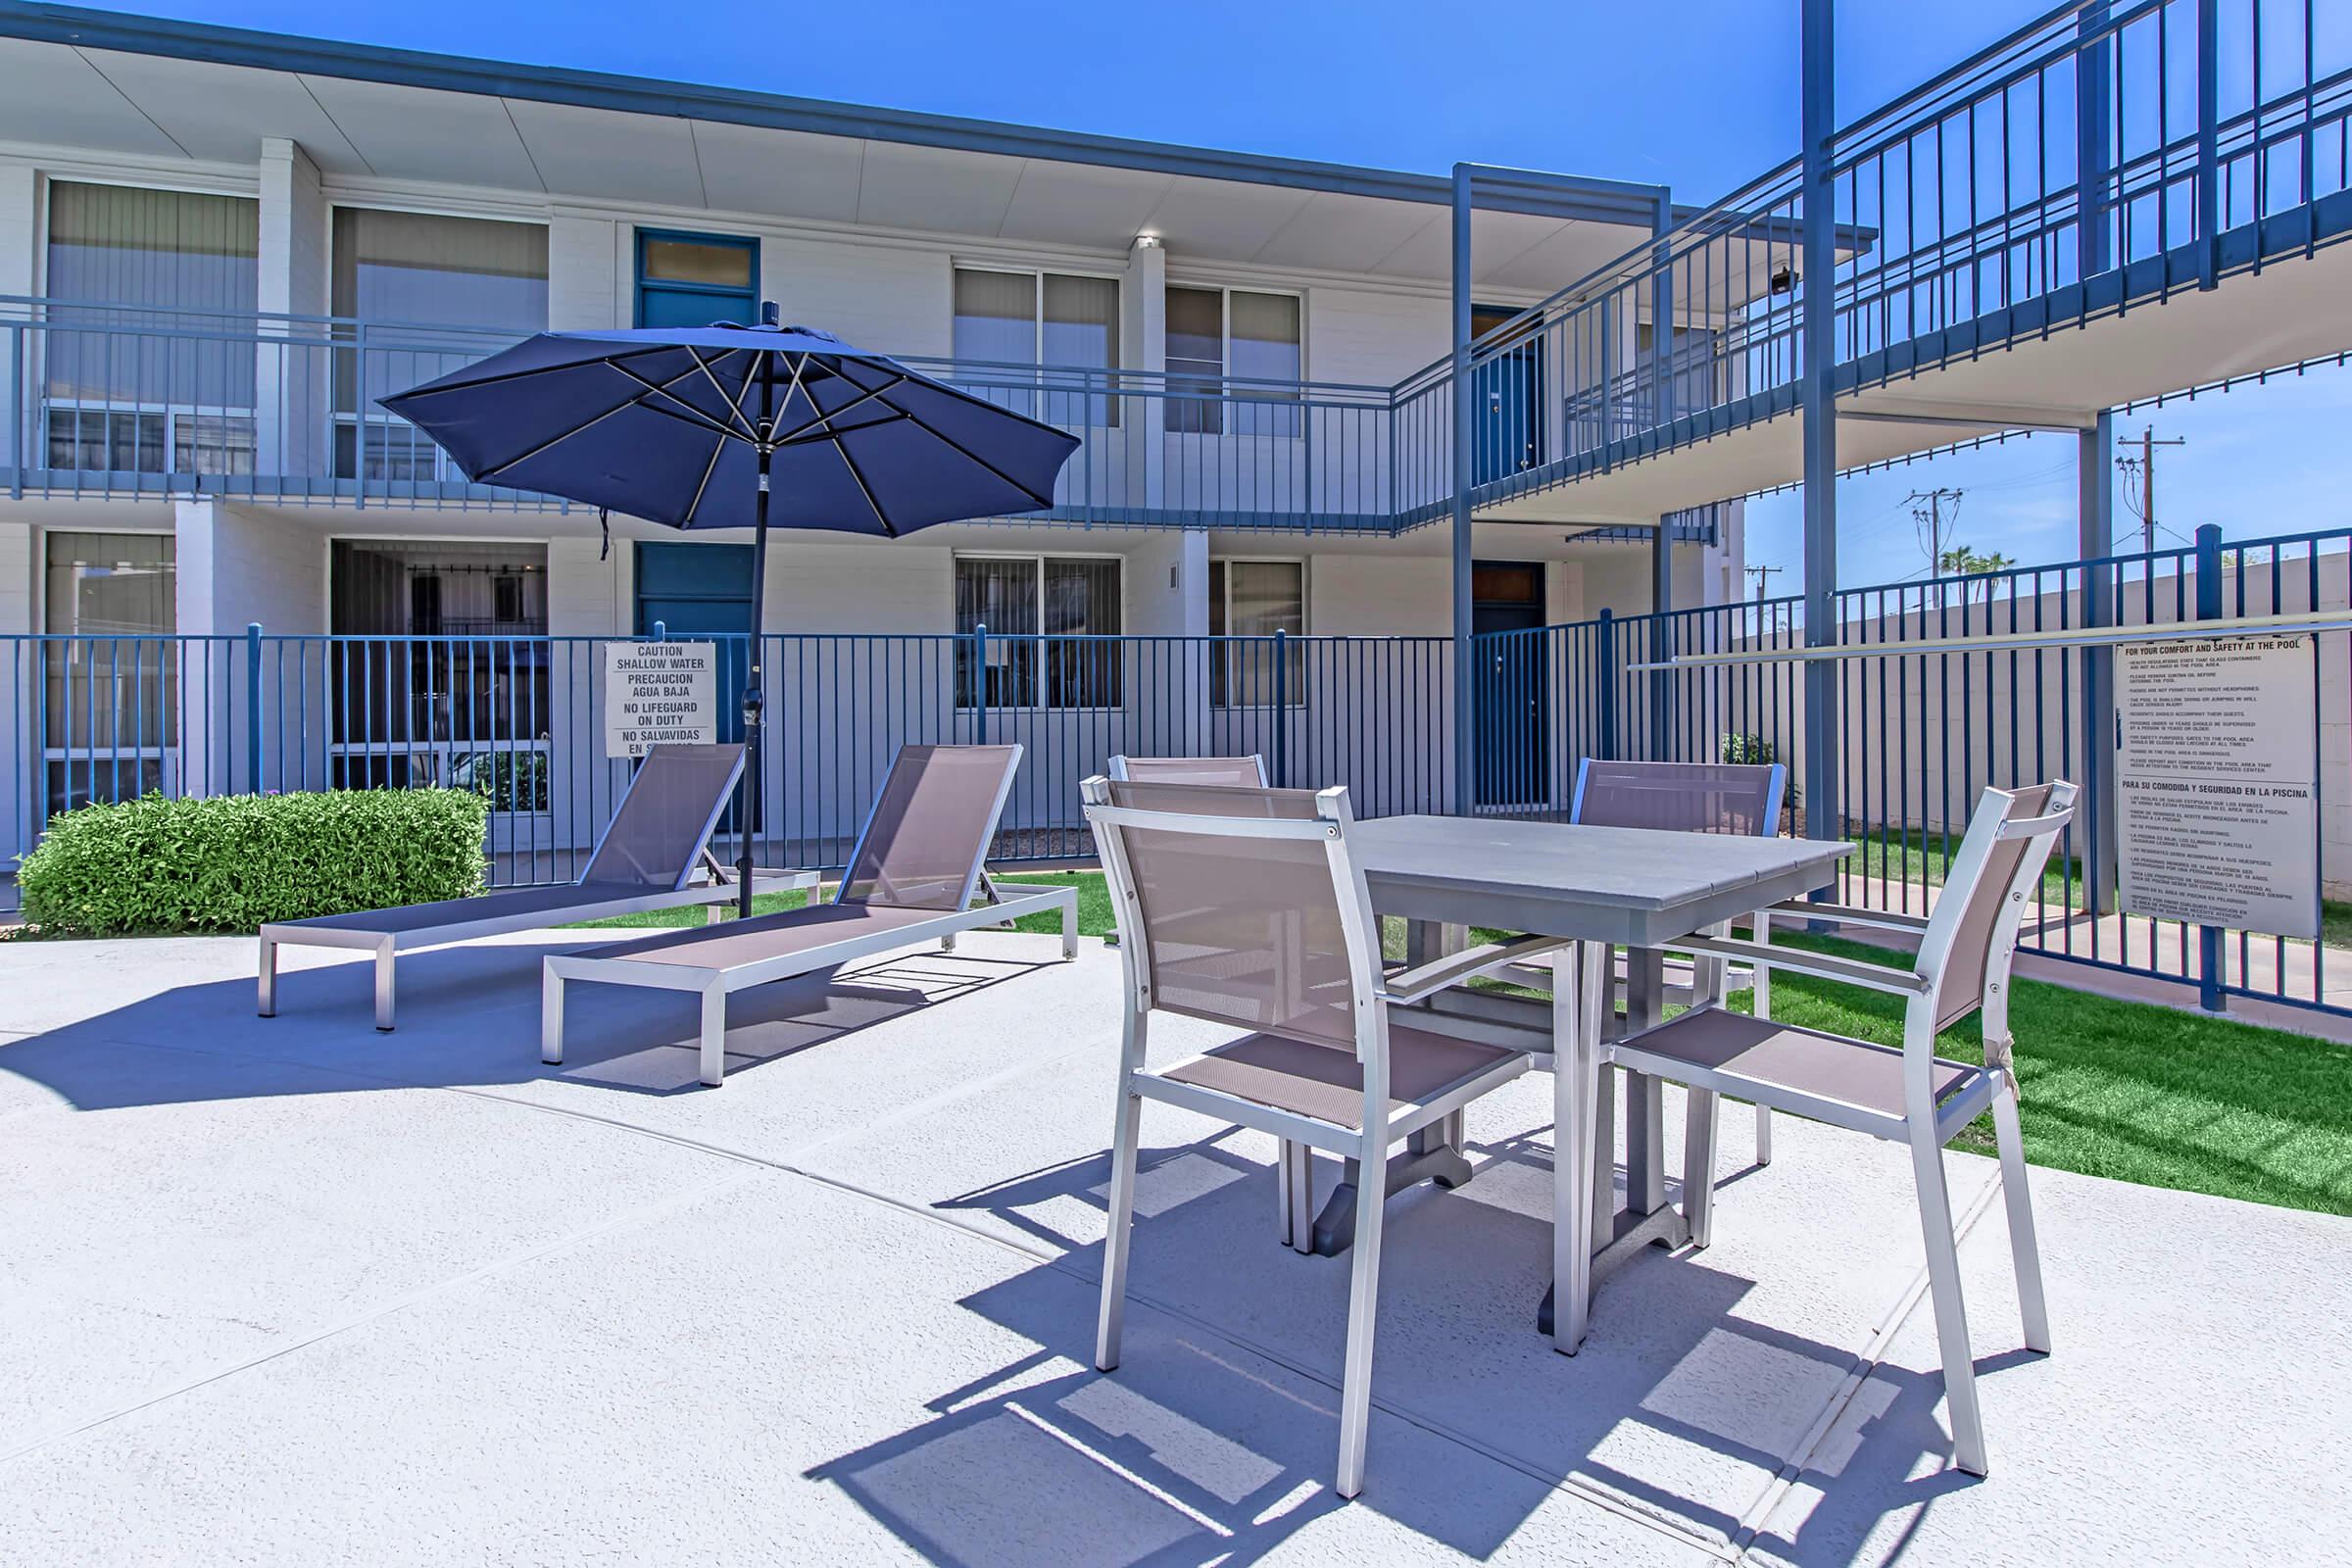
[468,1016]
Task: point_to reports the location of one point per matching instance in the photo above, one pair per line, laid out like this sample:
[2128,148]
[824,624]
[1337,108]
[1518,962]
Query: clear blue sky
[1588,88]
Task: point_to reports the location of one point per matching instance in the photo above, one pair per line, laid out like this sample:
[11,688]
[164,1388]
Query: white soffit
[50,93]
[942,188]
[219,114]
[635,159]
[422,133]
[789,172]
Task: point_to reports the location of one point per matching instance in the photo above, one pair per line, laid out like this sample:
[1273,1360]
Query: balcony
[113,402]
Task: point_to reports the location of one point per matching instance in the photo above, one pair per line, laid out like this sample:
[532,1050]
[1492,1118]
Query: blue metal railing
[1925,732]
[519,720]
[2110,153]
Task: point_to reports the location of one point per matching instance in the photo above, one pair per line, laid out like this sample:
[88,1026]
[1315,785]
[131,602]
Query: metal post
[2092,76]
[2210,217]
[1824,817]
[980,683]
[1605,662]
[1464,438]
[1661,644]
[253,707]
[2095,522]
[2208,608]
[1661,312]
[1282,714]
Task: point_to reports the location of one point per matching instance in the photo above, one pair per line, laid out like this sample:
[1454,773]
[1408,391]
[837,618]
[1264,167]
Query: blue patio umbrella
[732,427]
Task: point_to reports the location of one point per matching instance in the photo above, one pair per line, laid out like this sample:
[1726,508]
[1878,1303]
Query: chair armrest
[1851,914]
[1405,986]
[1819,965]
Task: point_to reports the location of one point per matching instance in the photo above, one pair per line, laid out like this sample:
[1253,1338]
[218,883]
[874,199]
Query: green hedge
[233,862]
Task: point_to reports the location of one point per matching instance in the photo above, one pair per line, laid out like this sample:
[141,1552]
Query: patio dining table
[1638,888]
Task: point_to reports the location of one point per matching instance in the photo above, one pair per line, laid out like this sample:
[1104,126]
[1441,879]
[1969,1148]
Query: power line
[1927,509]
[2144,467]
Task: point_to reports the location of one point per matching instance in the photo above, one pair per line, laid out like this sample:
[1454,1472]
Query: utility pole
[1763,577]
[2144,467]
[1927,507]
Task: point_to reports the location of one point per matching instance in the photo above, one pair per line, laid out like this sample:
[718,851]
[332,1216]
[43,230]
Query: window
[1254,338]
[695,279]
[411,277]
[150,361]
[1038,611]
[111,675]
[1067,323]
[1254,600]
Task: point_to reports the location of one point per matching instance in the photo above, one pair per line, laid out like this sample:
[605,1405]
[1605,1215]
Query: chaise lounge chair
[647,859]
[911,879]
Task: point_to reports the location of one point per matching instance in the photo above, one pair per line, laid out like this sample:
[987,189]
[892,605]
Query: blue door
[696,279]
[1514,696]
[1507,396]
[703,591]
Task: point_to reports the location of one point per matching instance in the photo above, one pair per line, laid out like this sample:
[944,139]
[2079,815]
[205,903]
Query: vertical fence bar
[253,707]
[1282,713]
[2210,994]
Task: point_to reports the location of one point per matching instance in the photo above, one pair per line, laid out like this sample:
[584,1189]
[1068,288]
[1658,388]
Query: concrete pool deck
[287,1289]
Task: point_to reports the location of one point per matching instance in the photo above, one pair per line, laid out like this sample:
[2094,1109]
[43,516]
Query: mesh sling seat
[647,859]
[1249,772]
[1735,798]
[912,878]
[1244,906]
[1907,1095]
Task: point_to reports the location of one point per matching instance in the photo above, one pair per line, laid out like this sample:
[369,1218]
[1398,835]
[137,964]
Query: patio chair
[1243,907]
[911,878]
[1247,772]
[647,859]
[1908,1096]
[1740,797]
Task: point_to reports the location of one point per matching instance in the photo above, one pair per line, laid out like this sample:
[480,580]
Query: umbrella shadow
[468,1017]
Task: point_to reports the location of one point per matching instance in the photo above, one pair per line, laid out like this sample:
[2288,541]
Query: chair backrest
[1241,907]
[666,817]
[1249,772]
[1973,933]
[1737,798]
[928,835]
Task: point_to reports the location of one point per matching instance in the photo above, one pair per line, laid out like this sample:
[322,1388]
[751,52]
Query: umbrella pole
[754,698]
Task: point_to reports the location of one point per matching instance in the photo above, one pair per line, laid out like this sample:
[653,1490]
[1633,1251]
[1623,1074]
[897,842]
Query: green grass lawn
[1093,906]
[2111,1088]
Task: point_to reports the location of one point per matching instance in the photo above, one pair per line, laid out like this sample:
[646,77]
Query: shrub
[233,862]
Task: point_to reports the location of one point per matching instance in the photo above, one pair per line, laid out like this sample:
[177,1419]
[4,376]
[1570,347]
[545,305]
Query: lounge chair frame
[714,983]
[387,943]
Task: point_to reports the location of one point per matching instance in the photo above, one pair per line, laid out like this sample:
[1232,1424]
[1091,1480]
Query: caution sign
[2217,768]
[659,693]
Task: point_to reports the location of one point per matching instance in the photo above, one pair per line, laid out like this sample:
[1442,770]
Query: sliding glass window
[434,294]
[1255,339]
[1069,600]
[149,354]
[1040,343]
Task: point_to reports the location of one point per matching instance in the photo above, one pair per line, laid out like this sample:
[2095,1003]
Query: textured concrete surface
[291,1291]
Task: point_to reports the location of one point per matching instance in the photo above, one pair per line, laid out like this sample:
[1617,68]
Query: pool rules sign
[659,693]
[2218,776]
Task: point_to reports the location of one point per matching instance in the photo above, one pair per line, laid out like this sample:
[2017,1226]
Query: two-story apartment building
[218,248]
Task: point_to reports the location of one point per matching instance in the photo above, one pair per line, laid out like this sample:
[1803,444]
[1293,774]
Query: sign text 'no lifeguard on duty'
[659,693]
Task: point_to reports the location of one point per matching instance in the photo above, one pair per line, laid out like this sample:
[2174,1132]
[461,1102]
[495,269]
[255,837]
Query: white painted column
[293,371]
[1144,346]
[19,229]
[585,273]
[23,780]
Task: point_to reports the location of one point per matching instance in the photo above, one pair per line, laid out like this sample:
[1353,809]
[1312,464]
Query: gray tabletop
[1635,886]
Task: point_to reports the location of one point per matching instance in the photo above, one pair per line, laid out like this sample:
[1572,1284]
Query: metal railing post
[1606,670]
[20,397]
[253,707]
[1282,712]
[2210,217]
[980,682]
[2210,995]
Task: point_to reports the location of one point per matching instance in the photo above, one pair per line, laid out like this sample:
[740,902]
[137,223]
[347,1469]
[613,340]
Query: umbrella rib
[504,376]
[734,403]
[700,420]
[968,453]
[718,449]
[662,390]
[864,397]
[889,528]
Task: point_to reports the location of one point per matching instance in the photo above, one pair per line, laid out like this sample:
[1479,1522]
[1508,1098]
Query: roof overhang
[204,92]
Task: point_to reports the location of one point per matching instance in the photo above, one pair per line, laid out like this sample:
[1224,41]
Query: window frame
[747,243]
[1046,391]
[1224,378]
[1036,559]
[1220,606]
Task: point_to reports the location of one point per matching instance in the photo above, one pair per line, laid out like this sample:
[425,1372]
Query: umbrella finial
[769,314]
